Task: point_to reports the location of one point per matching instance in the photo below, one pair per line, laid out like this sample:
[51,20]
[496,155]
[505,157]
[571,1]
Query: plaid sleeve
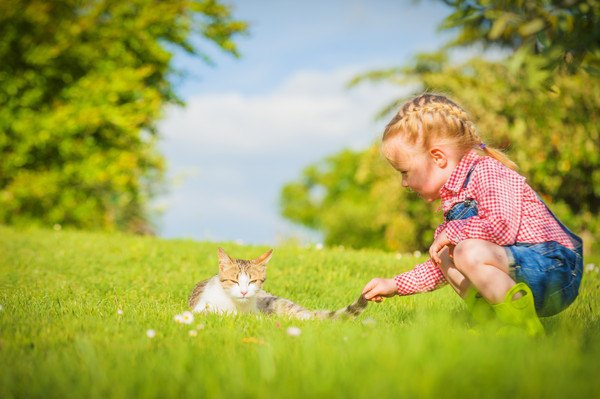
[498,192]
[424,277]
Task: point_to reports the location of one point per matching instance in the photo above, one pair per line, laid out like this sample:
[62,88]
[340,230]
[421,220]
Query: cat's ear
[224,259]
[264,258]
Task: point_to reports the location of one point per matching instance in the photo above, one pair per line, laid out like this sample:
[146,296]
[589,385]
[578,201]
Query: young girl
[499,244]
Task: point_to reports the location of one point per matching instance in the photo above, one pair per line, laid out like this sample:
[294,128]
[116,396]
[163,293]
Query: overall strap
[464,209]
[469,173]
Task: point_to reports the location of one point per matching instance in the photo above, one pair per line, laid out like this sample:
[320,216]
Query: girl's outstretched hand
[378,288]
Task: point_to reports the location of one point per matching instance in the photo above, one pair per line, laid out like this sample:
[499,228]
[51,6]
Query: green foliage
[540,103]
[563,35]
[82,84]
[356,200]
[61,335]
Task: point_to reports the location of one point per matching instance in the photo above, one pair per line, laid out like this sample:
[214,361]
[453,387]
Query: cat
[238,289]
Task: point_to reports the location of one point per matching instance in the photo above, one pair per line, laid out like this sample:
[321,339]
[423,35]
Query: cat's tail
[352,310]
[270,304]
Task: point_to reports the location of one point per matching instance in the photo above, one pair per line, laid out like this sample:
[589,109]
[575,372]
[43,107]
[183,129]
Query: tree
[82,84]
[563,34]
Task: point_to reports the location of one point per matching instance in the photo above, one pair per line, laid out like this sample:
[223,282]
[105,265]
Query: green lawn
[62,334]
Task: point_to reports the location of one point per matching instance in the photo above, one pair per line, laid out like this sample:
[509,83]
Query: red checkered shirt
[508,209]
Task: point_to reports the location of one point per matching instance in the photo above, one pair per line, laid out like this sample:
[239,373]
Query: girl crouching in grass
[499,246]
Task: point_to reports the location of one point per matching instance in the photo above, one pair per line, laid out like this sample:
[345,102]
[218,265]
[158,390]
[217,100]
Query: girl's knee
[470,253]
[473,253]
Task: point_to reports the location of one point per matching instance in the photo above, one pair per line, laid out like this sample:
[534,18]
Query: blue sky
[252,124]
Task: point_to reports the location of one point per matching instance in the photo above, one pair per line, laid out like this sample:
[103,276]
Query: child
[499,244]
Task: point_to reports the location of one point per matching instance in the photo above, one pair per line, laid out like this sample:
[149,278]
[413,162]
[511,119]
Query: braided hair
[432,118]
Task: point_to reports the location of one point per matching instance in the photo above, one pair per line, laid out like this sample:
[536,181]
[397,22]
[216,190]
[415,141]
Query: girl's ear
[439,156]
[264,258]
[224,259]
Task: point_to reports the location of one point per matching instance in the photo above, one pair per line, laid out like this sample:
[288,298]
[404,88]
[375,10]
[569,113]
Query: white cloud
[309,109]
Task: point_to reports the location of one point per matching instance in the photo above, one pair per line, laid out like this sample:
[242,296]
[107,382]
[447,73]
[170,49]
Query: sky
[251,125]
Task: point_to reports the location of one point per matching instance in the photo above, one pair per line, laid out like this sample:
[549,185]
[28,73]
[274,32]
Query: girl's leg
[454,277]
[485,265]
[480,309]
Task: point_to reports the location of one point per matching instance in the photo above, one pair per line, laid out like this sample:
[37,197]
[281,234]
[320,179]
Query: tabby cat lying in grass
[238,288]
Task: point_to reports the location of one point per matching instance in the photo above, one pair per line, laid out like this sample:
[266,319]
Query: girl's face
[424,172]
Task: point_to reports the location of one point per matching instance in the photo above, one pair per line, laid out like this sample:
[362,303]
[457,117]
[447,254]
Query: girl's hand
[378,288]
[439,243]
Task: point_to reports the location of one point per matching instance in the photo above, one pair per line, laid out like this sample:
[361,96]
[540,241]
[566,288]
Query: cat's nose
[243,293]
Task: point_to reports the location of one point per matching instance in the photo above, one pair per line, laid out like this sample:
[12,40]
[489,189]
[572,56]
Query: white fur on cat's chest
[214,299]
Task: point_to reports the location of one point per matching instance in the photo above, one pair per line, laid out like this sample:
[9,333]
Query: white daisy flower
[178,318]
[294,331]
[193,333]
[120,311]
[319,246]
[150,333]
[416,254]
[187,317]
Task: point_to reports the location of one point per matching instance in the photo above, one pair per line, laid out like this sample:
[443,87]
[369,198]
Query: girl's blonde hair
[434,117]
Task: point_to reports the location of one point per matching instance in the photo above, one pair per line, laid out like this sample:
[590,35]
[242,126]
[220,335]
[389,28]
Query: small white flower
[120,311]
[187,317]
[200,326]
[319,246]
[150,333]
[369,322]
[178,318]
[193,333]
[294,331]
[416,254]
[590,267]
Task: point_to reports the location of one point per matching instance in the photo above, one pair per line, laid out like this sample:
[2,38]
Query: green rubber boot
[481,311]
[520,312]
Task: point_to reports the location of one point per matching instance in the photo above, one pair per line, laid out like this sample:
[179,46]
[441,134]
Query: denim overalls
[552,271]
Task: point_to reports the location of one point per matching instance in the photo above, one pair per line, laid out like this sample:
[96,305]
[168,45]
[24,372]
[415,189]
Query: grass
[61,335]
